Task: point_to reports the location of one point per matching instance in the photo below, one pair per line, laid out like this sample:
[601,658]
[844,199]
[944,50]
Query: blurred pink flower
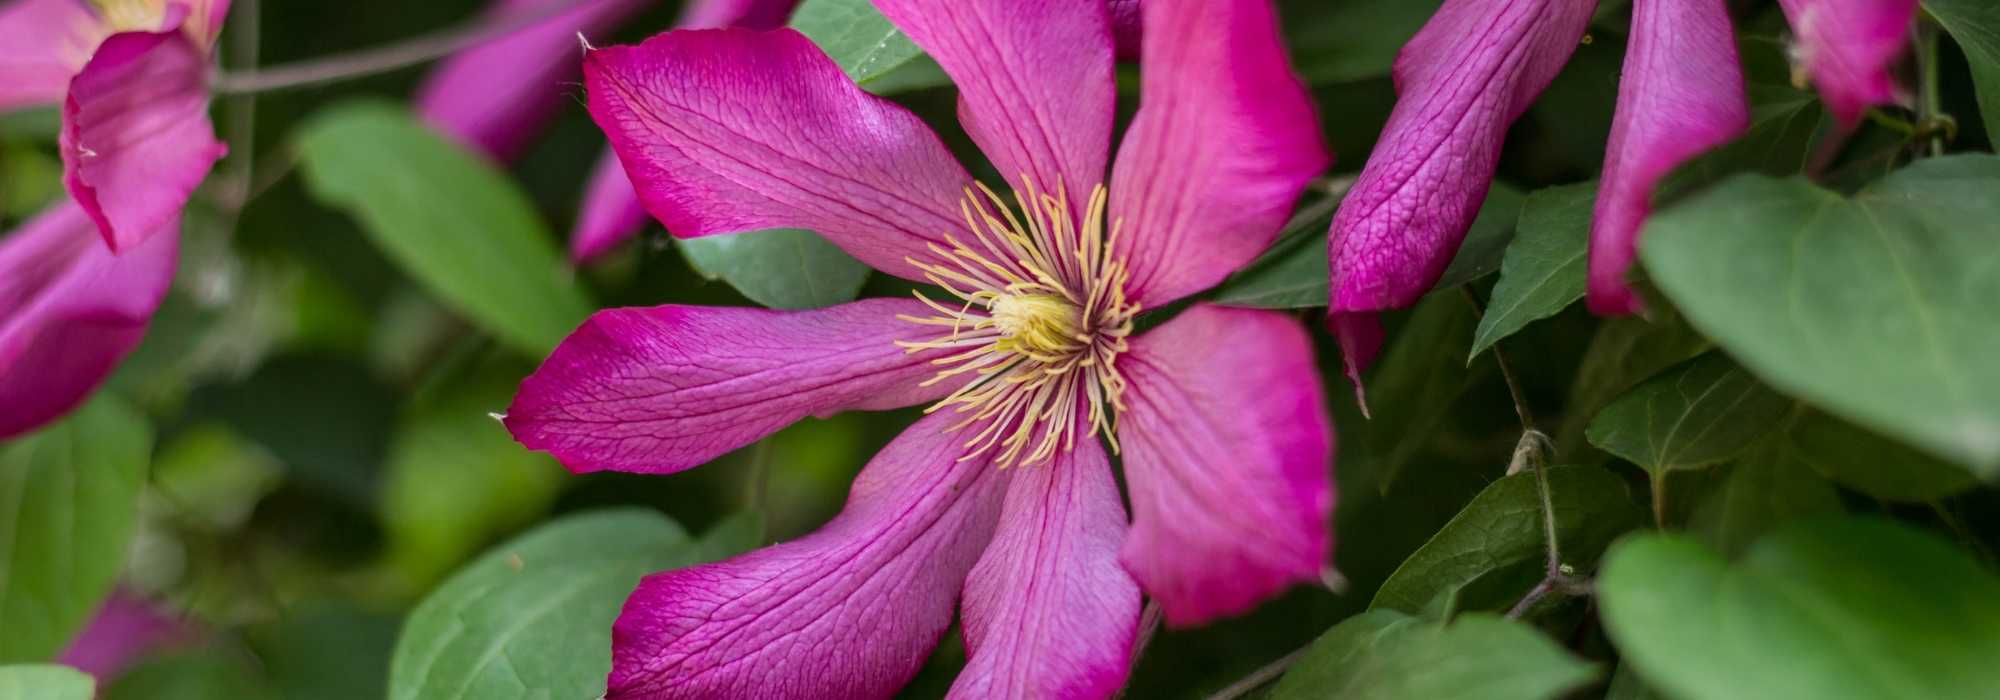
[1002,499]
[1466,76]
[1681,94]
[1848,46]
[124,632]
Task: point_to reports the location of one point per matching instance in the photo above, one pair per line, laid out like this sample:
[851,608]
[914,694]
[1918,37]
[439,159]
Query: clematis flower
[1001,500]
[125,630]
[1848,46]
[1681,94]
[1461,81]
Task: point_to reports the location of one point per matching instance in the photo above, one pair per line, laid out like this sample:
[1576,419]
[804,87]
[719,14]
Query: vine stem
[381,59]
[1930,105]
[1258,678]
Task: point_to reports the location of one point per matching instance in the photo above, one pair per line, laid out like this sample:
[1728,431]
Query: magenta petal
[1224,141]
[1035,83]
[1472,70]
[748,14]
[124,631]
[1848,46]
[494,97]
[667,388]
[42,44]
[1681,94]
[611,211]
[1049,613]
[1125,27]
[69,311]
[1228,456]
[730,130]
[136,139]
[850,611]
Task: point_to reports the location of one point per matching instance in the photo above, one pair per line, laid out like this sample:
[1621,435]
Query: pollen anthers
[1042,320]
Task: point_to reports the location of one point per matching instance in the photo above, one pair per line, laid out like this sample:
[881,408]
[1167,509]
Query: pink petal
[1681,94]
[729,130]
[494,97]
[69,311]
[1228,457]
[1472,70]
[748,14]
[1848,46]
[1224,141]
[1125,27]
[611,211]
[136,139]
[1035,83]
[667,388]
[124,631]
[1049,613]
[850,611]
[42,44]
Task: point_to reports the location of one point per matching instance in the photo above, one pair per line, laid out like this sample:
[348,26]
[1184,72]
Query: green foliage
[68,502]
[1327,49]
[448,218]
[1545,268]
[1872,464]
[1766,488]
[205,675]
[1975,24]
[1697,414]
[871,50]
[1845,608]
[44,682]
[1389,655]
[779,268]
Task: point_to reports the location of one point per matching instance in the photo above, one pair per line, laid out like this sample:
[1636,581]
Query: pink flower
[1001,501]
[1468,74]
[1848,46]
[1682,94]
[124,632]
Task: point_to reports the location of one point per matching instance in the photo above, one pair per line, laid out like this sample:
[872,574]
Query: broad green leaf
[1975,24]
[1388,655]
[779,268]
[211,674]
[1877,308]
[1502,530]
[325,650]
[1413,388]
[69,496]
[1625,351]
[871,50]
[44,682]
[29,180]
[530,618]
[1626,685]
[1826,609]
[1696,414]
[1486,242]
[449,218]
[1342,41]
[1873,464]
[1546,265]
[1762,491]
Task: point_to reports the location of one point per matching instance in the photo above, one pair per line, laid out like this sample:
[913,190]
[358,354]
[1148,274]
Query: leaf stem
[1506,370]
[381,59]
[1933,124]
[1269,672]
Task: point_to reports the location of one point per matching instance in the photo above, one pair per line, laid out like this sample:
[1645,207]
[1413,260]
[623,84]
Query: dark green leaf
[1502,528]
[450,218]
[1624,351]
[1413,388]
[1786,125]
[1830,609]
[69,497]
[1975,24]
[1763,490]
[29,179]
[1387,655]
[1873,464]
[779,268]
[1545,268]
[1486,242]
[1877,308]
[204,675]
[327,651]
[44,682]
[871,50]
[1694,415]
[1329,44]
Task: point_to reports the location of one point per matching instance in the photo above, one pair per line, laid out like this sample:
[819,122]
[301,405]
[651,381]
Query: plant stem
[1659,481]
[759,473]
[1506,370]
[240,113]
[1258,678]
[1930,105]
[382,59]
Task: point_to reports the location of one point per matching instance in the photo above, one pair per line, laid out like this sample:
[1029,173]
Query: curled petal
[136,139]
[850,611]
[1035,83]
[1228,455]
[1223,143]
[70,309]
[1848,47]
[668,388]
[495,96]
[748,14]
[1681,94]
[1467,75]
[730,130]
[611,211]
[1049,613]
[42,44]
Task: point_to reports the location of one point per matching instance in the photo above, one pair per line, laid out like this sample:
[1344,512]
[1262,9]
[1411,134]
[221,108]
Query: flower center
[1042,321]
[131,15]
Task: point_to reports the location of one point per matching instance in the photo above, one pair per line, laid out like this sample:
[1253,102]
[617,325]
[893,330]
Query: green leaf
[324,650]
[1828,609]
[1502,530]
[529,619]
[1701,412]
[1486,242]
[779,268]
[1763,490]
[1545,268]
[1342,41]
[1414,387]
[449,218]
[1787,124]
[202,675]
[44,682]
[1873,464]
[1975,24]
[1625,351]
[871,50]
[1387,655]
[1876,308]
[29,179]
[69,496]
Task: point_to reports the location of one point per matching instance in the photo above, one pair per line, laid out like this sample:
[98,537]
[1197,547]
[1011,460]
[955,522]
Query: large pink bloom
[1001,502]
[79,282]
[1848,46]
